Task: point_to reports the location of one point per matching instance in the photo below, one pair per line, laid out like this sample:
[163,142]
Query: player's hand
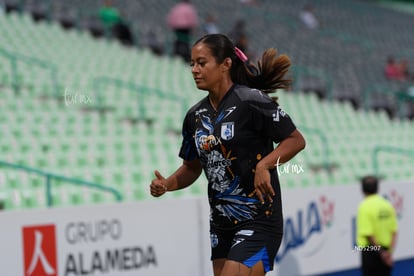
[158,185]
[262,185]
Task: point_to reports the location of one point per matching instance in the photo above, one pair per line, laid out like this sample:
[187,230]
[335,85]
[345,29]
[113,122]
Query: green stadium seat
[65,139]
[8,200]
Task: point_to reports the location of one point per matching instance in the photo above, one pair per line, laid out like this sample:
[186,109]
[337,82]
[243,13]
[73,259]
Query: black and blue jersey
[229,143]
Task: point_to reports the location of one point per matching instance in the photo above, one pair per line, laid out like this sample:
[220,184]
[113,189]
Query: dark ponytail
[268,75]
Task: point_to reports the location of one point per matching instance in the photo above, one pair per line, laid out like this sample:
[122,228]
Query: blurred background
[94,90]
[93,93]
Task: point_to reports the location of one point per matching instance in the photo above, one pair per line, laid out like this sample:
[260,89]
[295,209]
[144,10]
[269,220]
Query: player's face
[207,73]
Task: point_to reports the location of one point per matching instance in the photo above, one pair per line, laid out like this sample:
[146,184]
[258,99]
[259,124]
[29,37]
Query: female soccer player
[230,135]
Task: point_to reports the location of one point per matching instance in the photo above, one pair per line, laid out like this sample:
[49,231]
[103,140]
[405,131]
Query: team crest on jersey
[227,130]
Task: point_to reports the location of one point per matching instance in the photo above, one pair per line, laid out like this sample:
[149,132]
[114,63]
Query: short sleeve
[270,119]
[188,150]
[364,222]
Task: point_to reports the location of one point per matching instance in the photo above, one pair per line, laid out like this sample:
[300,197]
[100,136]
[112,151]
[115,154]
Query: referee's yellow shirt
[376,217]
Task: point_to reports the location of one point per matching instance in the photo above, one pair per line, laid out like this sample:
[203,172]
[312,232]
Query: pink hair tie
[240,54]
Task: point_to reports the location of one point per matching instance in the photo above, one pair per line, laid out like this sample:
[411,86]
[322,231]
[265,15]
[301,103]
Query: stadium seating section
[111,115]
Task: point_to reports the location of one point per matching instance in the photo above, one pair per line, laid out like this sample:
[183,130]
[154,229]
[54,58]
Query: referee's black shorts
[372,264]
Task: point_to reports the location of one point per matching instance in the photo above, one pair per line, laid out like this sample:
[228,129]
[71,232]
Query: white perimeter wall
[170,236]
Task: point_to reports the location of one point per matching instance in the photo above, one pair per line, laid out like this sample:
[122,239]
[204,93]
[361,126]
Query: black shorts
[372,264]
[247,244]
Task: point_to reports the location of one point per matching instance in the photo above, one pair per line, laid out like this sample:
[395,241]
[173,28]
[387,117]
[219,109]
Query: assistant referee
[376,230]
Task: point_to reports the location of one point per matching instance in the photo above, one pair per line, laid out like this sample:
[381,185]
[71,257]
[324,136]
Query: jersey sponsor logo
[218,163]
[224,114]
[237,241]
[207,143]
[227,131]
[200,111]
[243,232]
[229,111]
[39,250]
[216,166]
[279,112]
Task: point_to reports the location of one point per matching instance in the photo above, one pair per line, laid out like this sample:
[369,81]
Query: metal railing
[100,83]
[389,149]
[15,57]
[326,162]
[49,177]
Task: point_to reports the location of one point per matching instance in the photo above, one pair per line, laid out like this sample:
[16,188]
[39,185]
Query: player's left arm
[285,151]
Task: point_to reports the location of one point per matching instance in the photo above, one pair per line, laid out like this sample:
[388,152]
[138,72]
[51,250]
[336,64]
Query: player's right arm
[183,177]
